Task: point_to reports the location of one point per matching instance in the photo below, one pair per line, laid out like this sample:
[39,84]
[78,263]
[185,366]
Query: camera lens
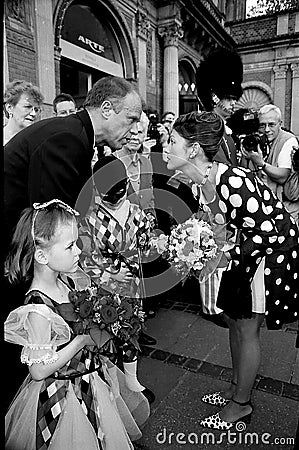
[250,142]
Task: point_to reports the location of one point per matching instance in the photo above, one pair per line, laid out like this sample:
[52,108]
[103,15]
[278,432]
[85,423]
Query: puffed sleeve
[39,330]
[250,206]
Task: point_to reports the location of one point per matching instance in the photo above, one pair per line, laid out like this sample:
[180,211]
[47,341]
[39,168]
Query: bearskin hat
[220,74]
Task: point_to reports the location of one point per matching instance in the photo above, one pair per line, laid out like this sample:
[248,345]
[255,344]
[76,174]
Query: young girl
[72,398]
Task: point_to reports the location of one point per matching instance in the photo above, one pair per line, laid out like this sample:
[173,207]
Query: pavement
[192,358]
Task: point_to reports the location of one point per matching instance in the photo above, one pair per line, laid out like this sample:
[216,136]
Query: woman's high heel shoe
[217,423]
[216,398]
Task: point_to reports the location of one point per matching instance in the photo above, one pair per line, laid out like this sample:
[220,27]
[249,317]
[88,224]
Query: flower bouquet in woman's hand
[192,248]
[103,315]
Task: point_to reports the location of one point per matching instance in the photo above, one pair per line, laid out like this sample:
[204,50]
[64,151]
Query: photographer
[275,168]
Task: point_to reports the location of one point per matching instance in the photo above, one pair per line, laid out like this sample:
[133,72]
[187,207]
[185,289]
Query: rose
[85,309]
[127,309]
[108,314]
[135,324]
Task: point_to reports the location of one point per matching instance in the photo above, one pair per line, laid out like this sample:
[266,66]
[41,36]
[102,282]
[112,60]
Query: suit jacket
[50,159]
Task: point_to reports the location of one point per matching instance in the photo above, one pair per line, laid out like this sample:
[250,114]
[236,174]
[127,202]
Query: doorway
[77,79]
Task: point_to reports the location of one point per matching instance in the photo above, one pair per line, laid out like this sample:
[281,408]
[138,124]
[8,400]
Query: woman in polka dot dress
[262,274]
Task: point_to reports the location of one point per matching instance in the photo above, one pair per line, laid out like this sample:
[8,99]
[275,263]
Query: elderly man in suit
[52,158]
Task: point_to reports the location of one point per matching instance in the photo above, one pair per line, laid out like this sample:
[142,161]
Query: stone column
[171,34]
[45,53]
[295,98]
[280,74]
[143,27]
[5,58]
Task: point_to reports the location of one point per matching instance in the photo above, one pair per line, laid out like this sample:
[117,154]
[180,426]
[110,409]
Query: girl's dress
[267,249]
[84,405]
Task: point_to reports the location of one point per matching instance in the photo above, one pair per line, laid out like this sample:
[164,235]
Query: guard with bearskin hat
[218,81]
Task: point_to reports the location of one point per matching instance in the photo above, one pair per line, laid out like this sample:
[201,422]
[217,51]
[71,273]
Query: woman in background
[22,107]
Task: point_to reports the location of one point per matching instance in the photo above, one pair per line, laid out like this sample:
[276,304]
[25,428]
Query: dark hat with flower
[219,76]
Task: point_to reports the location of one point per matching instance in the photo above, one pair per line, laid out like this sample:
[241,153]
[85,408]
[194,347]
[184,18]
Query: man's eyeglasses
[263,126]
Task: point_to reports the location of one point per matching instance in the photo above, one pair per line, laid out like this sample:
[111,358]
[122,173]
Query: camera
[251,142]
[245,122]
[153,132]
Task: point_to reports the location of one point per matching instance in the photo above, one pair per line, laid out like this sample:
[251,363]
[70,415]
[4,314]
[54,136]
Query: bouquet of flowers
[93,310]
[192,248]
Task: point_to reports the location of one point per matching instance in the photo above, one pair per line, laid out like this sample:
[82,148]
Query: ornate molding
[280,71]
[295,70]
[171,34]
[20,39]
[143,25]
[16,10]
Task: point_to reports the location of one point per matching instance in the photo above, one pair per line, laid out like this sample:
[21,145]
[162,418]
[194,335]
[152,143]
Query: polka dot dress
[268,231]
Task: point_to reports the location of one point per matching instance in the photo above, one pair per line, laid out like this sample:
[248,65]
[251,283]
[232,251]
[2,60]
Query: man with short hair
[167,120]
[63,105]
[275,168]
[52,158]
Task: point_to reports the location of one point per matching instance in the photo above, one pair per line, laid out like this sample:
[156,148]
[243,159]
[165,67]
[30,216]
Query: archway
[255,95]
[187,87]
[94,42]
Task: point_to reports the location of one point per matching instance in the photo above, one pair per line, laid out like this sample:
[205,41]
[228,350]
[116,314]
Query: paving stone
[146,351]
[159,377]
[178,307]
[210,370]
[278,354]
[270,385]
[168,327]
[161,355]
[291,391]
[176,359]
[194,309]
[193,364]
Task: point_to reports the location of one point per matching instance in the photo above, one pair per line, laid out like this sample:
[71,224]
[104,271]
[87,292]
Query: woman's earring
[193,153]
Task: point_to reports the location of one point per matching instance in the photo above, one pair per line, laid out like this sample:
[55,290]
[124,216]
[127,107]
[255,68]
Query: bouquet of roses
[94,310]
[189,247]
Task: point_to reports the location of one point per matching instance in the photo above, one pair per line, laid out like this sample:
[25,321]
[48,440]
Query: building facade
[67,45]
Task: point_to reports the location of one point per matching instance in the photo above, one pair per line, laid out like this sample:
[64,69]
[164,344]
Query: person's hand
[123,276]
[228,256]
[256,157]
[164,134]
[84,340]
